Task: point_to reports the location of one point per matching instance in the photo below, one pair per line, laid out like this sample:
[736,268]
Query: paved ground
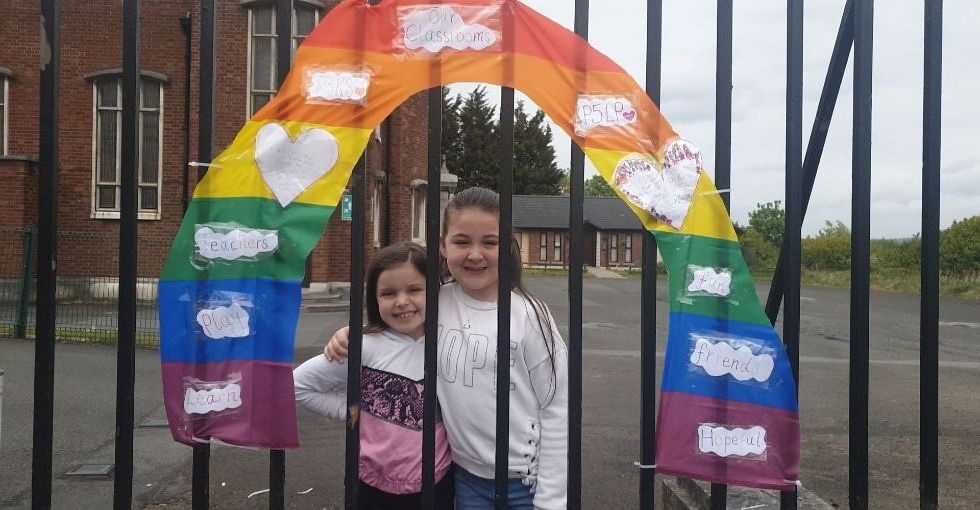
[85,391]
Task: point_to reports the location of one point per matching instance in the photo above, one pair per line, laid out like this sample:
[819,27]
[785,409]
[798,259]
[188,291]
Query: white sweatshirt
[538,398]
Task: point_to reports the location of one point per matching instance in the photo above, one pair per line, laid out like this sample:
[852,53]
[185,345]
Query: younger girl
[467,366]
[393,354]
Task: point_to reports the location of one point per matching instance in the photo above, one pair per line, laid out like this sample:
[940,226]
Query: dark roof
[551,212]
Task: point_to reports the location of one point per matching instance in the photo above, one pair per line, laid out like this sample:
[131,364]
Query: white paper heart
[290,168]
[666,193]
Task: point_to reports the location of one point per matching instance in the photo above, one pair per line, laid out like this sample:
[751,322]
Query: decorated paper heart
[630,115]
[291,167]
[666,193]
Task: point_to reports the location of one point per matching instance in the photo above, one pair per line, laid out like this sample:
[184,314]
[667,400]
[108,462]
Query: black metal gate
[801,168]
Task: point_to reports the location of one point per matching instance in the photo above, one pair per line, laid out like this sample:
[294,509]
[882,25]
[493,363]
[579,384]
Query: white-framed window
[543,255]
[558,246]
[4,121]
[628,250]
[262,32]
[613,248]
[418,212]
[107,148]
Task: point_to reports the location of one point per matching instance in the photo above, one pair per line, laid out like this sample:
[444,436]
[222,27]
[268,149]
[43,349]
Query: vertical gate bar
[200,479]
[284,55]
[818,137]
[503,293]
[929,305]
[575,222]
[185,25]
[723,100]
[352,455]
[206,66]
[648,290]
[432,233]
[860,256]
[506,270]
[277,479]
[26,278]
[723,147]
[128,254]
[794,198]
[48,162]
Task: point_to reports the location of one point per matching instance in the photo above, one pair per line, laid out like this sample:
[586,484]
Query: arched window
[107,143]
[262,33]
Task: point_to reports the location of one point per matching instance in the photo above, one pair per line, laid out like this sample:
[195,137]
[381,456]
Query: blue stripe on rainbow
[682,376]
[272,305]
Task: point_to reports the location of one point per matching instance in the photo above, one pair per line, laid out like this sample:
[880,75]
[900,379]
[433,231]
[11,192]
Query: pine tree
[477,164]
[452,144]
[535,170]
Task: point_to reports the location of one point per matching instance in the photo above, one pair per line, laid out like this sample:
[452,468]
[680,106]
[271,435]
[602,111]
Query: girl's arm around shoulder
[321,387]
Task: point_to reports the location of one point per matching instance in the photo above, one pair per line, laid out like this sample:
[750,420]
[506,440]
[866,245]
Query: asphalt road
[85,393]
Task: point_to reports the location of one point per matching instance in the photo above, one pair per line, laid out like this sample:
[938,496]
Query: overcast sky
[758,98]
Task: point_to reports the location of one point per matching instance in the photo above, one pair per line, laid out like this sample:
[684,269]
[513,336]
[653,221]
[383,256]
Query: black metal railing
[856,27]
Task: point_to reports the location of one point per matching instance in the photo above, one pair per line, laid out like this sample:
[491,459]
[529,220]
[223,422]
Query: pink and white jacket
[392,399]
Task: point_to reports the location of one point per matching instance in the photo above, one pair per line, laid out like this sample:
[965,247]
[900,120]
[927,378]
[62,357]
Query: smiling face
[470,248]
[401,299]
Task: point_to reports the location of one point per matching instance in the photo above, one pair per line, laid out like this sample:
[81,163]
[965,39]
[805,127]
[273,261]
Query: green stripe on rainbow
[680,251]
[297,228]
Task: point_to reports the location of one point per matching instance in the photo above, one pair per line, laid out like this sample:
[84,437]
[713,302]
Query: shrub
[897,254]
[959,247]
[827,252]
[759,253]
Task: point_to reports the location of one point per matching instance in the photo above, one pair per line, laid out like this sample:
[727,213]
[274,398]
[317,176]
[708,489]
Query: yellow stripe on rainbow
[707,217]
[235,174]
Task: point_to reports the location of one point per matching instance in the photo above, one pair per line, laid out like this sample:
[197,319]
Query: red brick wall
[91,248]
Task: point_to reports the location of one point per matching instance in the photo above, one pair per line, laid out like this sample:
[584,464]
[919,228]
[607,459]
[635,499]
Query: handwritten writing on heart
[666,193]
[290,168]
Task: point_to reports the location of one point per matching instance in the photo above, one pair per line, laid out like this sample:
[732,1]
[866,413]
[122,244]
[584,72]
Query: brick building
[613,234]
[91,57]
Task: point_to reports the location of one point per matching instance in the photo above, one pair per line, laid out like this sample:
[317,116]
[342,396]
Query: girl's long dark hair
[387,258]
[488,201]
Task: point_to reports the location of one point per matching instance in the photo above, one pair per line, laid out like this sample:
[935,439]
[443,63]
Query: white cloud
[738,441]
[224,322]
[441,27]
[213,400]
[234,244]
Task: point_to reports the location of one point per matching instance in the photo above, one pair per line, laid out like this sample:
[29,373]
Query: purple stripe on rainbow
[677,447]
[266,417]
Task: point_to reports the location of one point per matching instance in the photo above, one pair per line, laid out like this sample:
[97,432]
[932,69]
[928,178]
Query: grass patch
[68,335]
[883,279]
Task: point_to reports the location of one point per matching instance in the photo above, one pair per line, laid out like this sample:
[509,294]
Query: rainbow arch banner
[230,290]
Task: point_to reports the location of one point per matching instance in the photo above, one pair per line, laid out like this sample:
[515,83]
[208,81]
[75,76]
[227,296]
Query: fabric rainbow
[230,290]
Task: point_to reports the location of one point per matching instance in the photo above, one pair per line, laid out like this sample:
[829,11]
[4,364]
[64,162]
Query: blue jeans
[475,493]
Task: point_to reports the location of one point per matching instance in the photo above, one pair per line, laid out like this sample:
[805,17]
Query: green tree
[452,143]
[596,186]
[768,219]
[838,229]
[477,164]
[535,170]
[759,253]
[959,246]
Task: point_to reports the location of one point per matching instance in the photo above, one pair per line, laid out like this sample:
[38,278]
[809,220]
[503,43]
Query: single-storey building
[613,234]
